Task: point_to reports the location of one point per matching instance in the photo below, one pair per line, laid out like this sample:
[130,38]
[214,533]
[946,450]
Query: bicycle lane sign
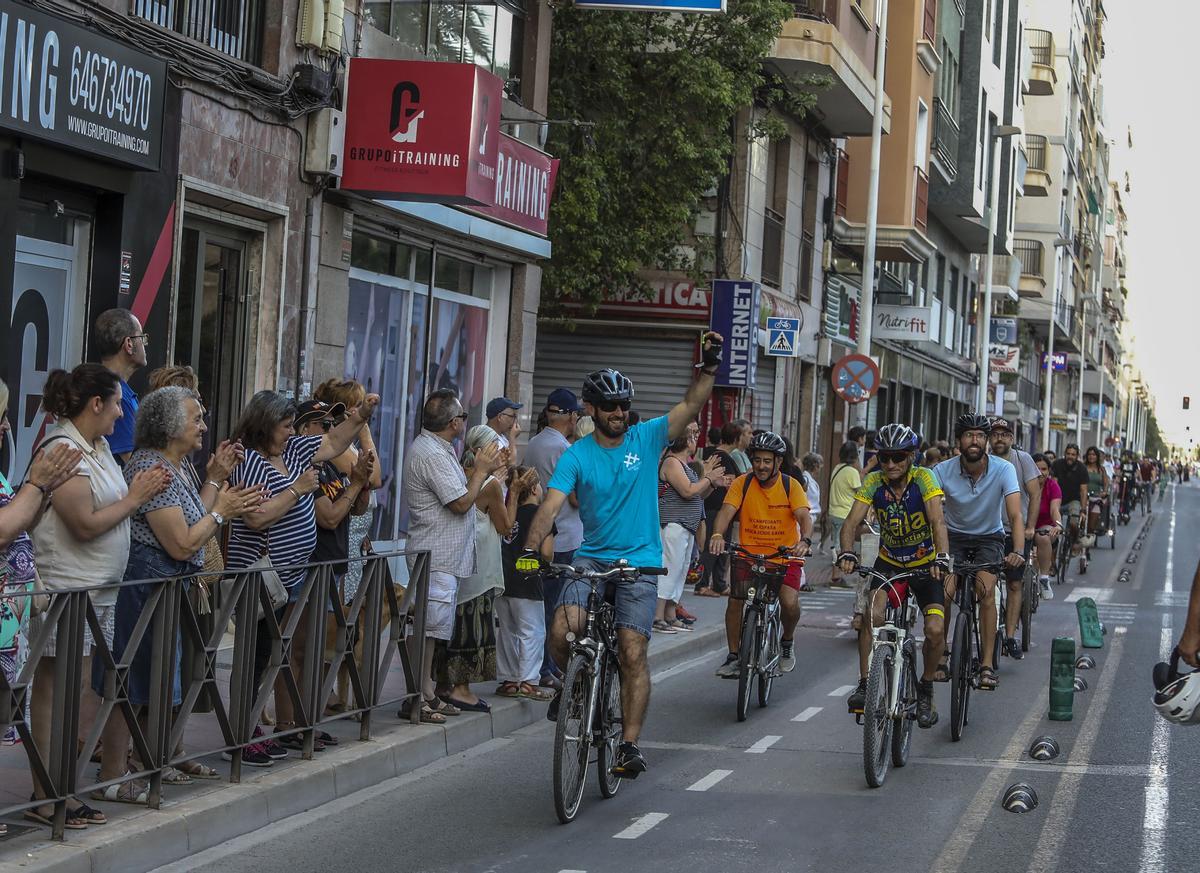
[855,378]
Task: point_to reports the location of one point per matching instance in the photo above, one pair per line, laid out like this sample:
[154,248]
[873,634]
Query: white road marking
[808,713]
[686,665]
[762,745]
[640,826]
[1157,803]
[1120,629]
[1100,595]
[709,781]
[842,690]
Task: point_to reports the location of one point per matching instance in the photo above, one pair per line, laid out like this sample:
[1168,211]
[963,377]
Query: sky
[1149,80]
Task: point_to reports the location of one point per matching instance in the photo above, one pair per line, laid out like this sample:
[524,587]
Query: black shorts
[927,590]
[977,548]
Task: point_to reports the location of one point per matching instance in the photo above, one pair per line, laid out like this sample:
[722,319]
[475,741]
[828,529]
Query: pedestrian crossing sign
[783,337]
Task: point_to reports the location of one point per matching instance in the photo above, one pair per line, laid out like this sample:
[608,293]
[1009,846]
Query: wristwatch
[218,518]
[807,541]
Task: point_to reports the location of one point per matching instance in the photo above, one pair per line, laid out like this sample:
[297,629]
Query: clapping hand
[715,472]
[307,482]
[149,483]
[367,409]
[491,458]
[363,467]
[51,468]
[238,500]
[224,460]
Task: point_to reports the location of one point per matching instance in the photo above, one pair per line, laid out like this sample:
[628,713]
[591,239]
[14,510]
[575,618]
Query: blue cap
[564,400]
[495,407]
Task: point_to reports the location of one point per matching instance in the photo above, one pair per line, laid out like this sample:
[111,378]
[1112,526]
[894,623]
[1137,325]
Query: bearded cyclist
[773,511]
[614,474]
[912,533]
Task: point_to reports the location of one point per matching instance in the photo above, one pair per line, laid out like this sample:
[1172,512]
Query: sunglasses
[144,337]
[327,424]
[893,457]
[614,405]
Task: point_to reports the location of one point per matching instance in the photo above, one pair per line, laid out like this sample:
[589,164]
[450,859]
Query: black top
[520,585]
[715,497]
[1070,479]
[333,545]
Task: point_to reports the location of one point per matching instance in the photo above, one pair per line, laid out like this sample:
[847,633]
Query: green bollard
[1062,678]
[1090,633]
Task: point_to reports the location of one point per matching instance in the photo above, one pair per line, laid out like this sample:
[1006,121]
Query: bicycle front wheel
[1029,594]
[747,665]
[877,720]
[960,675]
[572,740]
[610,728]
[903,727]
[768,653]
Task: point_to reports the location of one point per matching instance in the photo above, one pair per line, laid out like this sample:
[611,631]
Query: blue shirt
[120,441]
[617,490]
[976,507]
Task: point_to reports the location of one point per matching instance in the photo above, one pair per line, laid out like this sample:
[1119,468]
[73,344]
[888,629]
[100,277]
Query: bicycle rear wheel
[1029,595]
[572,740]
[903,727]
[877,721]
[1063,559]
[768,653]
[746,662]
[960,675]
[610,728]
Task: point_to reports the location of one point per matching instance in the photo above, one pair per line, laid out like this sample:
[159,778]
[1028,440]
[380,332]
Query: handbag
[276,593]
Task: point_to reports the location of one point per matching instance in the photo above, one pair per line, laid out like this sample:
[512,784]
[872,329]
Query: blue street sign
[709,6]
[783,337]
[735,317]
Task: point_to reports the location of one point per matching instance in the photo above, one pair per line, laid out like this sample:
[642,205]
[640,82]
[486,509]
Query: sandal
[443,707]
[428,715]
[942,674]
[75,821]
[664,627]
[199,771]
[175,776]
[705,592]
[88,814]
[513,689]
[680,625]
[530,692]
[987,679]
[136,791]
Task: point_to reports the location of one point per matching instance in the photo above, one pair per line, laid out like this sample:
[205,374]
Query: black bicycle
[589,711]
[760,646]
[966,663]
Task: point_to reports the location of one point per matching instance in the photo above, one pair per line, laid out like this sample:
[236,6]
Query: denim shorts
[634,600]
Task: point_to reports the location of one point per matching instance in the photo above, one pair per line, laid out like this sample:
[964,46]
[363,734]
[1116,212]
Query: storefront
[87,191]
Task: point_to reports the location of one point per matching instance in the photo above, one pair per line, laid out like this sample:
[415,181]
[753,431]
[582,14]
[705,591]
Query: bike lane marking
[641,825]
[709,781]
[808,713]
[762,745]
[842,690]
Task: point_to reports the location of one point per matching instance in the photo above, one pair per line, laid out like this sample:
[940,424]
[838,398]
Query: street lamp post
[1003,131]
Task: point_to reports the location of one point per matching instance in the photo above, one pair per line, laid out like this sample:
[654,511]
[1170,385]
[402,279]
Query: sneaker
[552,709]
[730,669]
[630,763]
[269,747]
[1047,590]
[787,656]
[252,756]
[926,712]
[857,700]
[1012,649]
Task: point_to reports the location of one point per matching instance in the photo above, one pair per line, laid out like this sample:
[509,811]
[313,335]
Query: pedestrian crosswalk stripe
[641,825]
[841,691]
[808,713]
[762,745]
[709,781]
[1099,595]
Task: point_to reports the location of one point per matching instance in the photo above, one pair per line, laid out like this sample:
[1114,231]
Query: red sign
[668,297]
[524,184]
[422,130]
[855,378]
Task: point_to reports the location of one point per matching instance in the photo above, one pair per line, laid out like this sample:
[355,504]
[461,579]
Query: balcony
[921,201]
[1042,76]
[945,139]
[772,248]
[1031,254]
[1037,180]
[231,27]
[810,44]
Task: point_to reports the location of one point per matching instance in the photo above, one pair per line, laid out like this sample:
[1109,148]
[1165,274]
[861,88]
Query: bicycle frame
[892,635]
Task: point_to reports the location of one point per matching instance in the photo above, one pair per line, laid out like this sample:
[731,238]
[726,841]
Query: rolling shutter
[763,415]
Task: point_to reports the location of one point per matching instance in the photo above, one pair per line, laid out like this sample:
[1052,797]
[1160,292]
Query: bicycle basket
[743,575]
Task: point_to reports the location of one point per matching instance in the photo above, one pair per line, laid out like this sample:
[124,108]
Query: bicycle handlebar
[780,552]
[899,577]
[618,571]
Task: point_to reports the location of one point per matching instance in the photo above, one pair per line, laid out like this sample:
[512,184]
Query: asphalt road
[784,791]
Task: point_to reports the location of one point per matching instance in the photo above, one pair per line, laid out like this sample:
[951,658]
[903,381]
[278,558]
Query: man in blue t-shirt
[981,490]
[614,474]
[120,343]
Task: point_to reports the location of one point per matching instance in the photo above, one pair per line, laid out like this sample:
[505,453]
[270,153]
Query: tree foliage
[651,99]
[1154,441]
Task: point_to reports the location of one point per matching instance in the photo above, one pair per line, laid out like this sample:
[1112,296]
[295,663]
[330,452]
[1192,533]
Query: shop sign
[669,298]
[70,86]
[524,185]
[903,323]
[422,130]
[1060,361]
[710,6]
[1004,359]
[735,317]
[1004,331]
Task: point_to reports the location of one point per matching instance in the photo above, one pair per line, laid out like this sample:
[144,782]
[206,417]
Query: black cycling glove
[711,347]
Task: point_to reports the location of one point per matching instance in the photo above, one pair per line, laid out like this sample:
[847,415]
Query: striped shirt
[673,507]
[291,539]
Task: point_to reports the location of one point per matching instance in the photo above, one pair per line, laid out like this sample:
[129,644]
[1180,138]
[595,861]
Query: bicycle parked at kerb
[891,702]
[589,711]
[762,627]
[966,662]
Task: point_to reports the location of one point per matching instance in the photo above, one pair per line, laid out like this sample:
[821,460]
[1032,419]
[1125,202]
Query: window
[232,27]
[998,33]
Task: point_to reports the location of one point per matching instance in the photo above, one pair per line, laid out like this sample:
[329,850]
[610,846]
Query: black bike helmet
[765,441]
[897,438]
[971,421]
[607,385]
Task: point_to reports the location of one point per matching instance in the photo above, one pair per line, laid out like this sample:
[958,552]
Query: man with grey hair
[120,344]
[441,501]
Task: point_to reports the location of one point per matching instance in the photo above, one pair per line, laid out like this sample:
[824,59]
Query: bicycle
[589,712]
[1062,556]
[1128,498]
[762,627]
[891,700]
[966,644]
[1031,595]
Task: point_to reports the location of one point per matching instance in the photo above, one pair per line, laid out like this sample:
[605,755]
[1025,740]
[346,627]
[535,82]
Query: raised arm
[340,438]
[700,389]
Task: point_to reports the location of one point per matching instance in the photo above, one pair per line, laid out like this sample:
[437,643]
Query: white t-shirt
[814,495]
[64,562]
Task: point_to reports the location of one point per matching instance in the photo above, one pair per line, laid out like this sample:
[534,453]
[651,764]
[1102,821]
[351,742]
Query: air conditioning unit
[325,143]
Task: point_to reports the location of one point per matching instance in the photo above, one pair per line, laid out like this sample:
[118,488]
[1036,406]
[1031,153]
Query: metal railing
[172,621]
[1028,392]
[232,27]
[945,136]
[1029,252]
[1035,151]
[1041,46]
[818,10]
[772,248]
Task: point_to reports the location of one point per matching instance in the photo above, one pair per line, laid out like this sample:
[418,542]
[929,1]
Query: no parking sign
[855,378]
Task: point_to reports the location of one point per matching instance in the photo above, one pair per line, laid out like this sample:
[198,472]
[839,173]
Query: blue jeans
[551,592]
[634,600]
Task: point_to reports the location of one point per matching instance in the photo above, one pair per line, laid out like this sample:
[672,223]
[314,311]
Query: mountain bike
[966,643]
[589,711]
[759,651]
[891,701]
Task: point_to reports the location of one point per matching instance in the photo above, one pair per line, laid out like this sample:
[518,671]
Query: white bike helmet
[1178,696]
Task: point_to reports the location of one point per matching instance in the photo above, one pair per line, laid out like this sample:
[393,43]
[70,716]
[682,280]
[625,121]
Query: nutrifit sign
[69,85]
[903,323]
[422,130]
[524,185]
